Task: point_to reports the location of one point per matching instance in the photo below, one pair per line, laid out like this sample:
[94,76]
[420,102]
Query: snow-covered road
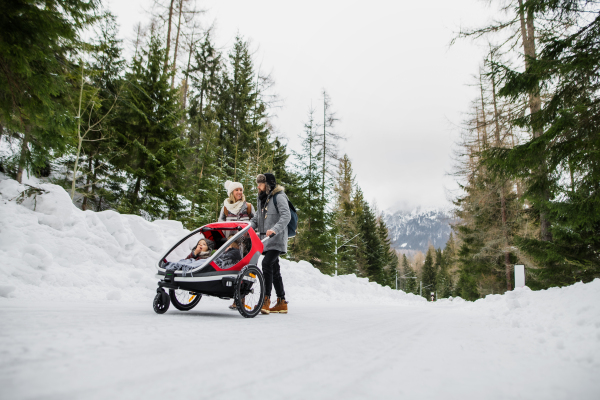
[76,322]
[106,350]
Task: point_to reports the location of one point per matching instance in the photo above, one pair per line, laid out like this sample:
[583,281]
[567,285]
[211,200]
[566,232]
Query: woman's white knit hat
[231,186]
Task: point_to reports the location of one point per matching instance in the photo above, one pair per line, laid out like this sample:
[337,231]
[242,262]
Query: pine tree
[429,274]
[204,173]
[410,283]
[151,135]
[244,110]
[100,148]
[345,223]
[313,241]
[35,42]
[448,270]
[281,168]
[489,213]
[361,252]
[388,256]
[374,249]
[328,145]
[559,163]
[443,280]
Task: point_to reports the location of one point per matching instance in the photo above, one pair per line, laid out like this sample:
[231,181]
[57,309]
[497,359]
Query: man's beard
[262,195]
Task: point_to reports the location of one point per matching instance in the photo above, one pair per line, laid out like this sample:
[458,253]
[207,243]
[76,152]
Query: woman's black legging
[272,273]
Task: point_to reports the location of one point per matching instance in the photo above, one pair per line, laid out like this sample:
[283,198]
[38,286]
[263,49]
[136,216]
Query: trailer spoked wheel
[249,291]
[184,300]
[161,302]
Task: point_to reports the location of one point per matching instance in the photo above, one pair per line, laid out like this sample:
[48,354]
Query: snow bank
[306,283]
[564,320]
[49,248]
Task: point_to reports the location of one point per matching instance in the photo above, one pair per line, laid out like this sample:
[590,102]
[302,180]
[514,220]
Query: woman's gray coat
[276,220]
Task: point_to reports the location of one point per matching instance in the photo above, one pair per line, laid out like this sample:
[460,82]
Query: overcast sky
[398,88]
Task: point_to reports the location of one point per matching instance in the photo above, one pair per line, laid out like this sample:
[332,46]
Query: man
[268,220]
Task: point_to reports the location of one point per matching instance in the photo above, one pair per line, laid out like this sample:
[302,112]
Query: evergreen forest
[528,161]
[156,131]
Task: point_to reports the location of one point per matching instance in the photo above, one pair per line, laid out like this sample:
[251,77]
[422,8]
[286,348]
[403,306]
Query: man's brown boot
[280,307]
[266,305]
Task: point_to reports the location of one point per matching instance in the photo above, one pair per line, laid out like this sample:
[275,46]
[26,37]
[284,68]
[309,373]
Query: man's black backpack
[293,224]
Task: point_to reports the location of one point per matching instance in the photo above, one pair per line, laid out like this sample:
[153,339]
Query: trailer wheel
[249,291]
[184,300]
[161,302]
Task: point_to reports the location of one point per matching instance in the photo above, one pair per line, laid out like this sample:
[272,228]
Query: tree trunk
[187,74]
[324,144]
[79,137]
[176,44]
[138,181]
[88,189]
[502,196]
[138,30]
[168,37]
[483,113]
[95,177]
[23,155]
[136,191]
[535,103]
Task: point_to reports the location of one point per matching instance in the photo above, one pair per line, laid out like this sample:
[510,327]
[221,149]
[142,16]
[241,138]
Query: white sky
[398,89]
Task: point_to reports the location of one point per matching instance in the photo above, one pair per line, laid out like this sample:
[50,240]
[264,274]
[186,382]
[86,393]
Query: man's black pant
[272,273]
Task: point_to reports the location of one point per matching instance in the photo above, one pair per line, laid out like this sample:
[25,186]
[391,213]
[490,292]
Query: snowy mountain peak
[417,229]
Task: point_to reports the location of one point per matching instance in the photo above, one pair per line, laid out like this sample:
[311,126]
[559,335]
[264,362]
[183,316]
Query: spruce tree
[388,256]
[244,111]
[313,241]
[374,250]
[35,43]
[566,145]
[429,274]
[410,284]
[150,133]
[100,147]
[443,279]
[344,217]
[204,174]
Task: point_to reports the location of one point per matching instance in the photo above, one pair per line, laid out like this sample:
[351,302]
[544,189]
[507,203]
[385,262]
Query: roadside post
[519,276]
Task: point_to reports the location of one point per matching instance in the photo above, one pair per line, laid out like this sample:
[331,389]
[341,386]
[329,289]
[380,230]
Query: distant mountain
[415,230]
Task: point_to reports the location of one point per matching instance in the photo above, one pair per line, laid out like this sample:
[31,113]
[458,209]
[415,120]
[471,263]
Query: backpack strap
[225,212]
[275,202]
[249,208]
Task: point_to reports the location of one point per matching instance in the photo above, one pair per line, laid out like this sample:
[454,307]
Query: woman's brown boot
[280,307]
[266,305]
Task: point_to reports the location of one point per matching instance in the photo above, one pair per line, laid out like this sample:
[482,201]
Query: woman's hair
[235,245]
[232,199]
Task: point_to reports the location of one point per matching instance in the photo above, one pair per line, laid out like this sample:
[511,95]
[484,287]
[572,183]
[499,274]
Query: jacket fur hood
[277,189]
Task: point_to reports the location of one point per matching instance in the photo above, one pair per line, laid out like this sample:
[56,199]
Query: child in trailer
[232,256]
[196,258]
[202,250]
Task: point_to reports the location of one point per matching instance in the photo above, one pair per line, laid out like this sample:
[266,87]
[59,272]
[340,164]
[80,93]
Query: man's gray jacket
[275,220]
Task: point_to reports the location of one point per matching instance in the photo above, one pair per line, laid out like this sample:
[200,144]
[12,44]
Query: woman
[235,208]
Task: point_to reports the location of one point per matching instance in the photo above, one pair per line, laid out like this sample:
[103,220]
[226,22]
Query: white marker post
[519,276]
